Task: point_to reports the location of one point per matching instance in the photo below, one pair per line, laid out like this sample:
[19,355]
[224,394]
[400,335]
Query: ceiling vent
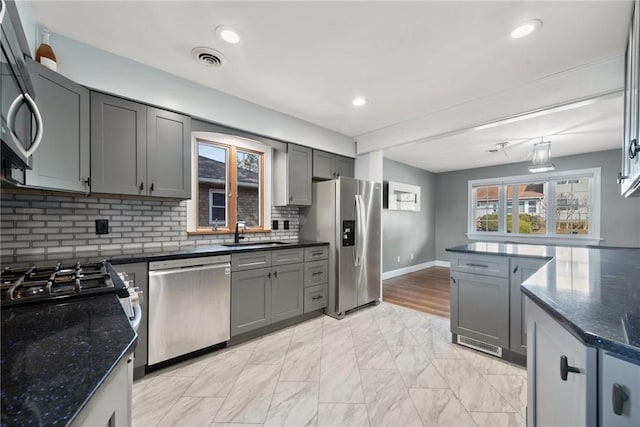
[208,57]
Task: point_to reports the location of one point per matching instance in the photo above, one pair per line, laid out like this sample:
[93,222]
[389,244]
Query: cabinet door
[118,145]
[343,166]
[168,154]
[480,307]
[299,163]
[521,270]
[62,160]
[552,400]
[250,300]
[619,392]
[323,165]
[287,291]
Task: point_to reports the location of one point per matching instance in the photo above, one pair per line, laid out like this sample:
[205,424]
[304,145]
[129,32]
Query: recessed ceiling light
[228,35]
[359,101]
[526,28]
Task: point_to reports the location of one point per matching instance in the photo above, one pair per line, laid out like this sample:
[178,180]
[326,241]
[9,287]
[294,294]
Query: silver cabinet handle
[316,297]
[15,105]
[317,273]
[469,264]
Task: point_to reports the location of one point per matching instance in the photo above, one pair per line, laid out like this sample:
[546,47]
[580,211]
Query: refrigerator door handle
[359,246]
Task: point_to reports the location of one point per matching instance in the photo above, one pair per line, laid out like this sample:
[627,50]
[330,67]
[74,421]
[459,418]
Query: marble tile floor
[382,366]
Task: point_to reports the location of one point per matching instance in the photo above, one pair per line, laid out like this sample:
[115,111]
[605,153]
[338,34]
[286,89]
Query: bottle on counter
[44,54]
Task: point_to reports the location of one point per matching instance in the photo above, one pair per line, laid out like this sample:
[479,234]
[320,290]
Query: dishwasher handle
[226,266]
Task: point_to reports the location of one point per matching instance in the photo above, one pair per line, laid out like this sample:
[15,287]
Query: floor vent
[479,345]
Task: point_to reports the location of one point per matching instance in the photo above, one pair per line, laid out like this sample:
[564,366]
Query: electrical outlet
[411,256]
[274,224]
[286,224]
[102,226]
[398,258]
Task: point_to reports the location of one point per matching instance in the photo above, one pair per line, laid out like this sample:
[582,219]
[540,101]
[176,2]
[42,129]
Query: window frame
[232,144]
[592,238]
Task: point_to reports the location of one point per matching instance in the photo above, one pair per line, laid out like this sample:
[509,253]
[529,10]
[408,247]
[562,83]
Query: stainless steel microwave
[21,121]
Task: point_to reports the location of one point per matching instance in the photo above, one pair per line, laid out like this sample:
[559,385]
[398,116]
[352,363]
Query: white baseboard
[406,270]
[413,268]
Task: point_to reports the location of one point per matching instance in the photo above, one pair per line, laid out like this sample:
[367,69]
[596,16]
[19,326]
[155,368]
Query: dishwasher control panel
[189,262]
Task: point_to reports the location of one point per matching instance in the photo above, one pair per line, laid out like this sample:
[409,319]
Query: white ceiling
[409,59]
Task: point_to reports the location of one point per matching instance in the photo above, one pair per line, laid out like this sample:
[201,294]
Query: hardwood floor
[425,290]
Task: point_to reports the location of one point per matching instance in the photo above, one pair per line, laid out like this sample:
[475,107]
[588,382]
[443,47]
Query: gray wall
[620,217]
[405,232]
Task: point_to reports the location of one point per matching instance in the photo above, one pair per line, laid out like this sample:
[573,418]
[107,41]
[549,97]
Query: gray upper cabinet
[118,145]
[62,161]
[521,270]
[331,166]
[139,150]
[629,176]
[292,176]
[287,291]
[168,154]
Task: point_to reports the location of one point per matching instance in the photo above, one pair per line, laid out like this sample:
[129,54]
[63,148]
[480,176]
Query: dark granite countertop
[152,254]
[55,356]
[593,292]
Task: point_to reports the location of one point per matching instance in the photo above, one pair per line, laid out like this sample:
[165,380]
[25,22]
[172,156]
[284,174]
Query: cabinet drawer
[481,264]
[316,253]
[316,272]
[315,297]
[250,260]
[286,256]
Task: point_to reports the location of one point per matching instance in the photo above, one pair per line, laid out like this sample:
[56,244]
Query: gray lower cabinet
[619,391]
[139,274]
[287,291]
[554,398]
[292,176]
[480,307]
[139,150]
[111,405]
[62,161]
[330,166]
[250,300]
[315,297]
[521,270]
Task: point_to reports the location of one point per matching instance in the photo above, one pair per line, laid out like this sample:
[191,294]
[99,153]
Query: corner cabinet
[629,176]
[292,176]
[139,150]
[331,166]
[62,161]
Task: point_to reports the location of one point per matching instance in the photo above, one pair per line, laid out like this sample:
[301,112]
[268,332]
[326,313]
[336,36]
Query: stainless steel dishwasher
[189,305]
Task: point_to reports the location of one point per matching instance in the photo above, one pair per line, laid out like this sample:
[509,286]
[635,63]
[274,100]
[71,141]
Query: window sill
[225,231]
[571,240]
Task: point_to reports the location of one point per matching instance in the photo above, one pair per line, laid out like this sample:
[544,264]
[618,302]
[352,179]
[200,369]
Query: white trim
[443,264]
[406,270]
[593,238]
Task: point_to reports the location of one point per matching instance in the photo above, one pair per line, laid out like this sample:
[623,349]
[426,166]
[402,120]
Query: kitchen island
[582,331]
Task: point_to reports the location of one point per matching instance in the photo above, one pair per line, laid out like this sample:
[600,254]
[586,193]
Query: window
[229,184]
[557,206]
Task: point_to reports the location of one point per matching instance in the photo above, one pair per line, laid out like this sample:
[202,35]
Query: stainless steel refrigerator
[347,213]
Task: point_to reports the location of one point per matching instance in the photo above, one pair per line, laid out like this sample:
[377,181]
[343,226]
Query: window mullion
[502,206]
[551,209]
[232,187]
[515,208]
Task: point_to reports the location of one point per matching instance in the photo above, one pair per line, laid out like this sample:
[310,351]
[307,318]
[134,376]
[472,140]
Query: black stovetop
[54,282]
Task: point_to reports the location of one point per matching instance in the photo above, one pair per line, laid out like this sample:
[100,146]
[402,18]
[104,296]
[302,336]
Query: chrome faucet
[237,236]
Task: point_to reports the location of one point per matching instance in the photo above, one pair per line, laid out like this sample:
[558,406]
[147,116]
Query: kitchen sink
[254,244]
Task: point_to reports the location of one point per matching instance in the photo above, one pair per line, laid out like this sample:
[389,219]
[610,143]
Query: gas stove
[53,283]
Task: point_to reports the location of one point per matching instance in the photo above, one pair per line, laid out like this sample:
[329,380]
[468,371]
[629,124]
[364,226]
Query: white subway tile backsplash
[35,225]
